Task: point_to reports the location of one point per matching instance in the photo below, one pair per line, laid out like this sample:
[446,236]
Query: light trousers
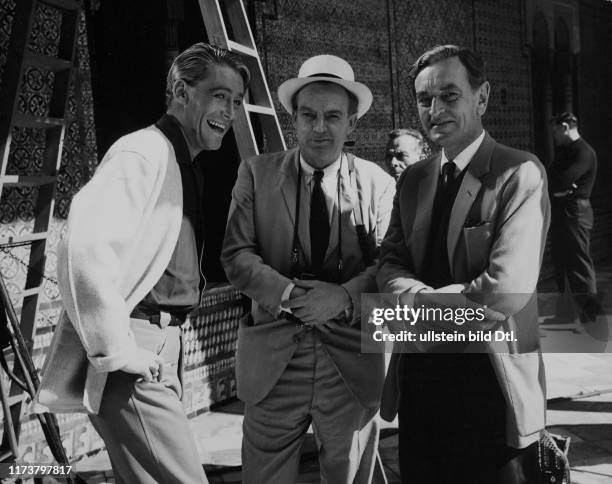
[143,425]
[310,391]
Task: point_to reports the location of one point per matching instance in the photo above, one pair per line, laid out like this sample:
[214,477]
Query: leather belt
[159,318]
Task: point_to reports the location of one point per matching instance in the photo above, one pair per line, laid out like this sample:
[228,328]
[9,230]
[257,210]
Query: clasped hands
[317,302]
[452,296]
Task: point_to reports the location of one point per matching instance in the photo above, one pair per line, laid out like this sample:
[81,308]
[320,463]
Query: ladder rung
[27,121]
[33,291]
[12,400]
[241,49]
[25,181]
[46,62]
[18,239]
[254,108]
[62,4]
[7,456]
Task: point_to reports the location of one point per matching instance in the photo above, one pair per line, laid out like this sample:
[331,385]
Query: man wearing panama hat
[301,241]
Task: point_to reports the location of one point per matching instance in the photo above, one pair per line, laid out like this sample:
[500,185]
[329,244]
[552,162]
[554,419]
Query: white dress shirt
[329,184]
[462,160]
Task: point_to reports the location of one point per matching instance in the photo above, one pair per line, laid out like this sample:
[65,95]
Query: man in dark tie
[467,231]
[301,241]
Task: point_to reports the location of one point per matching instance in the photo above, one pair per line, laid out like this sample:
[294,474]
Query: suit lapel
[427,186]
[465,197]
[289,187]
[470,186]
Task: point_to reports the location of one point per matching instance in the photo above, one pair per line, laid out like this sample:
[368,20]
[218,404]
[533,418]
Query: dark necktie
[448,174]
[319,221]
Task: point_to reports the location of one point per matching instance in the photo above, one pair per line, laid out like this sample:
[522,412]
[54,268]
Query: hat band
[325,75]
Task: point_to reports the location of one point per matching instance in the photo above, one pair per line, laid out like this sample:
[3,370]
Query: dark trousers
[570,240]
[452,424]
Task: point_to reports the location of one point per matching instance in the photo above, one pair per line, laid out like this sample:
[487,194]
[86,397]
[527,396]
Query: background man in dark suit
[468,227]
[405,147]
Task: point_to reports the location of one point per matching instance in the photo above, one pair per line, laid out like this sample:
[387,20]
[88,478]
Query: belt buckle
[164,319]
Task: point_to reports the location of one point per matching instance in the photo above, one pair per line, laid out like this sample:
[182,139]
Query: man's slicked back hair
[193,63]
[471,60]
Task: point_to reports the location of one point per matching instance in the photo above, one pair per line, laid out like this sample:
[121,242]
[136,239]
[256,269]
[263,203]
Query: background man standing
[470,223]
[404,148]
[301,241]
[572,176]
[129,272]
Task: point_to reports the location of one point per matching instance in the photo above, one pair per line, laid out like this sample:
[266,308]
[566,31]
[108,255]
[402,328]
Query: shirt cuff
[348,312]
[108,363]
[410,295]
[285,297]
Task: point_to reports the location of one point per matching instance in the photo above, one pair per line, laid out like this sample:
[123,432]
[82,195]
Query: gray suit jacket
[256,257]
[495,243]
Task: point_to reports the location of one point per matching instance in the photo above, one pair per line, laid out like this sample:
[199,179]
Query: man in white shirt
[301,241]
[467,231]
[129,272]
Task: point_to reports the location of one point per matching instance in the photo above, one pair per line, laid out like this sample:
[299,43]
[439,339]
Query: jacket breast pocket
[478,240]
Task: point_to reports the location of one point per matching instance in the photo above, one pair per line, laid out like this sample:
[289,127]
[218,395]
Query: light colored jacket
[256,257]
[496,237]
[122,229]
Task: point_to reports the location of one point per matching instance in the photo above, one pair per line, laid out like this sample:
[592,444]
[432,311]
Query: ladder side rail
[24,362]
[13,72]
[54,141]
[44,205]
[241,29]
[9,437]
[236,8]
[215,27]
[217,34]
[67,51]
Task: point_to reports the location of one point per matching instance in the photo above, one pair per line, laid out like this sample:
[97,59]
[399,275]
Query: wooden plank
[254,108]
[47,63]
[27,181]
[62,4]
[241,49]
[32,291]
[40,122]
[19,239]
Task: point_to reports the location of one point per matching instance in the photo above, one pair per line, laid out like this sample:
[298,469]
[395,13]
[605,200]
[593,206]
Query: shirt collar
[330,170]
[171,128]
[462,160]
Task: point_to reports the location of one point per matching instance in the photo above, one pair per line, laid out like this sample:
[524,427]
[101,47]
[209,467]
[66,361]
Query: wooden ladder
[53,123]
[256,127]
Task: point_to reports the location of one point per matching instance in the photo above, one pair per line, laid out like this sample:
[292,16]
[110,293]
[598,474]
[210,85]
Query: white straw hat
[327,68]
